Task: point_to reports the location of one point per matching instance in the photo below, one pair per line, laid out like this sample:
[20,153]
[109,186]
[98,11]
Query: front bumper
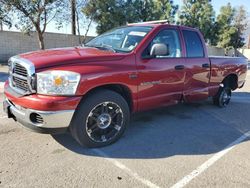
[51,122]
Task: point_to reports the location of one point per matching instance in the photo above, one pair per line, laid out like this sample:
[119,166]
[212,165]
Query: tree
[113,13]
[82,20]
[138,11]
[198,14]
[148,10]
[226,27]
[76,18]
[165,10]
[4,17]
[73,17]
[240,23]
[33,15]
[107,14]
[231,25]
[1,18]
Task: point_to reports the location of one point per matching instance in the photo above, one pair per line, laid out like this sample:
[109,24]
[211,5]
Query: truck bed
[222,66]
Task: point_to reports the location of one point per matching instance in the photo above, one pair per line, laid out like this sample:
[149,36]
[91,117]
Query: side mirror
[159,49]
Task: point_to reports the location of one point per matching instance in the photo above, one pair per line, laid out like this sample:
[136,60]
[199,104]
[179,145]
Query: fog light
[36,118]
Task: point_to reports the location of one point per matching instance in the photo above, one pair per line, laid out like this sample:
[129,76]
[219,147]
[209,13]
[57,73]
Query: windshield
[123,39]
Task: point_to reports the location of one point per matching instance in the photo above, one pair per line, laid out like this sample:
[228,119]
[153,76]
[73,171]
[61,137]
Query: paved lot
[197,145]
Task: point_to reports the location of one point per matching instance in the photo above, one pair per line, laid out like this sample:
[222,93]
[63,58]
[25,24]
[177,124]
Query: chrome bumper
[51,119]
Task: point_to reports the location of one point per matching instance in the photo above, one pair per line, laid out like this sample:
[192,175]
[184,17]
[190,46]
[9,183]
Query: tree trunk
[73,16]
[87,30]
[78,28]
[41,40]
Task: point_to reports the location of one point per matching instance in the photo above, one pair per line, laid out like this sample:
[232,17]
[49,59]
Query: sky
[216,4]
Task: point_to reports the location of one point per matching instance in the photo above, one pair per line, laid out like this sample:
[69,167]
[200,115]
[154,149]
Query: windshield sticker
[137,33]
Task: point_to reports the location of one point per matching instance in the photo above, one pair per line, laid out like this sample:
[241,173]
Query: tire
[100,119]
[223,97]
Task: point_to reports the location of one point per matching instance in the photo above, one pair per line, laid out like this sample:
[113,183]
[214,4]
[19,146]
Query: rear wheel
[100,119]
[223,97]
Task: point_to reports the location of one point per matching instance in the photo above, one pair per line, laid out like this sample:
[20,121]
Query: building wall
[13,43]
[215,51]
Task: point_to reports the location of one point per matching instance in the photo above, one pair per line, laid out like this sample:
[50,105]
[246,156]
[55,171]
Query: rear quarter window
[193,44]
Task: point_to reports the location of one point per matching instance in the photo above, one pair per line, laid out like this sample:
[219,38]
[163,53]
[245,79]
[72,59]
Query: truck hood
[65,56]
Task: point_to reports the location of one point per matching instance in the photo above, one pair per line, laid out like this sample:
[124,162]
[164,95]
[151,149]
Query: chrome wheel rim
[226,96]
[104,122]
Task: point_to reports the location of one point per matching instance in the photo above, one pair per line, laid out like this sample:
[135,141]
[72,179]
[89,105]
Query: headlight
[57,82]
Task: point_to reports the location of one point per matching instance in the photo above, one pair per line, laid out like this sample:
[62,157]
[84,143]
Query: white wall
[215,51]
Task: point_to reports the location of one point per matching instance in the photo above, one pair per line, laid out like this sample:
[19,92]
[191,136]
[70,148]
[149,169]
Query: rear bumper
[51,122]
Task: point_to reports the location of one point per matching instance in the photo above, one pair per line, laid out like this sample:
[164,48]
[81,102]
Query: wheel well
[124,91]
[231,81]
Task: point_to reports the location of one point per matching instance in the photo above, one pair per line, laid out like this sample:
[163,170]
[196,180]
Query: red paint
[45,103]
[99,68]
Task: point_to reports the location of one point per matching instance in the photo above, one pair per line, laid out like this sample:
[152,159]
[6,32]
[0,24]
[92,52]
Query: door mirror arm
[148,57]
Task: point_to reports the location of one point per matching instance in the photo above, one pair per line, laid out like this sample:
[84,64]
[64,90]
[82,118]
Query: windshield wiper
[103,46]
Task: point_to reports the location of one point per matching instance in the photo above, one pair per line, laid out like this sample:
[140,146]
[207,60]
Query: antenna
[151,22]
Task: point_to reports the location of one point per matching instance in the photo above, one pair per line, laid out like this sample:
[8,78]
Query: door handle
[179,67]
[133,76]
[206,65]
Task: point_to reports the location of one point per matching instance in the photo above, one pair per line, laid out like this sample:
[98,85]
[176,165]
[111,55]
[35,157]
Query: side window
[193,43]
[170,38]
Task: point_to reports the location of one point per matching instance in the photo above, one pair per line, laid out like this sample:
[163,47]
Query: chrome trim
[30,68]
[52,119]
[19,76]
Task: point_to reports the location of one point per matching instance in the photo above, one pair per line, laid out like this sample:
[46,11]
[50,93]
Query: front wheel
[223,97]
[100,119]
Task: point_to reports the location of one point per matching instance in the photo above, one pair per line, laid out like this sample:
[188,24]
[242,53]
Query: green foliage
[231,24]
[112,13]
[240,23]
[165,10]
[107,14]
[198,14]
[225,27]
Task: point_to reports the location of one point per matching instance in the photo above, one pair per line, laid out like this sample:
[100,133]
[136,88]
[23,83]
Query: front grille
[20,70]
[21,75]
[20,83]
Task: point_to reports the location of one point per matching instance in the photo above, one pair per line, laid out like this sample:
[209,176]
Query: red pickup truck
[91,91]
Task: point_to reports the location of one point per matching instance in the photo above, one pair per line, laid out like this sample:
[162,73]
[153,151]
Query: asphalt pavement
[187,145]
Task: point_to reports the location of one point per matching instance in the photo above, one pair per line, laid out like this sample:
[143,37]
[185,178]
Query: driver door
[161,78]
